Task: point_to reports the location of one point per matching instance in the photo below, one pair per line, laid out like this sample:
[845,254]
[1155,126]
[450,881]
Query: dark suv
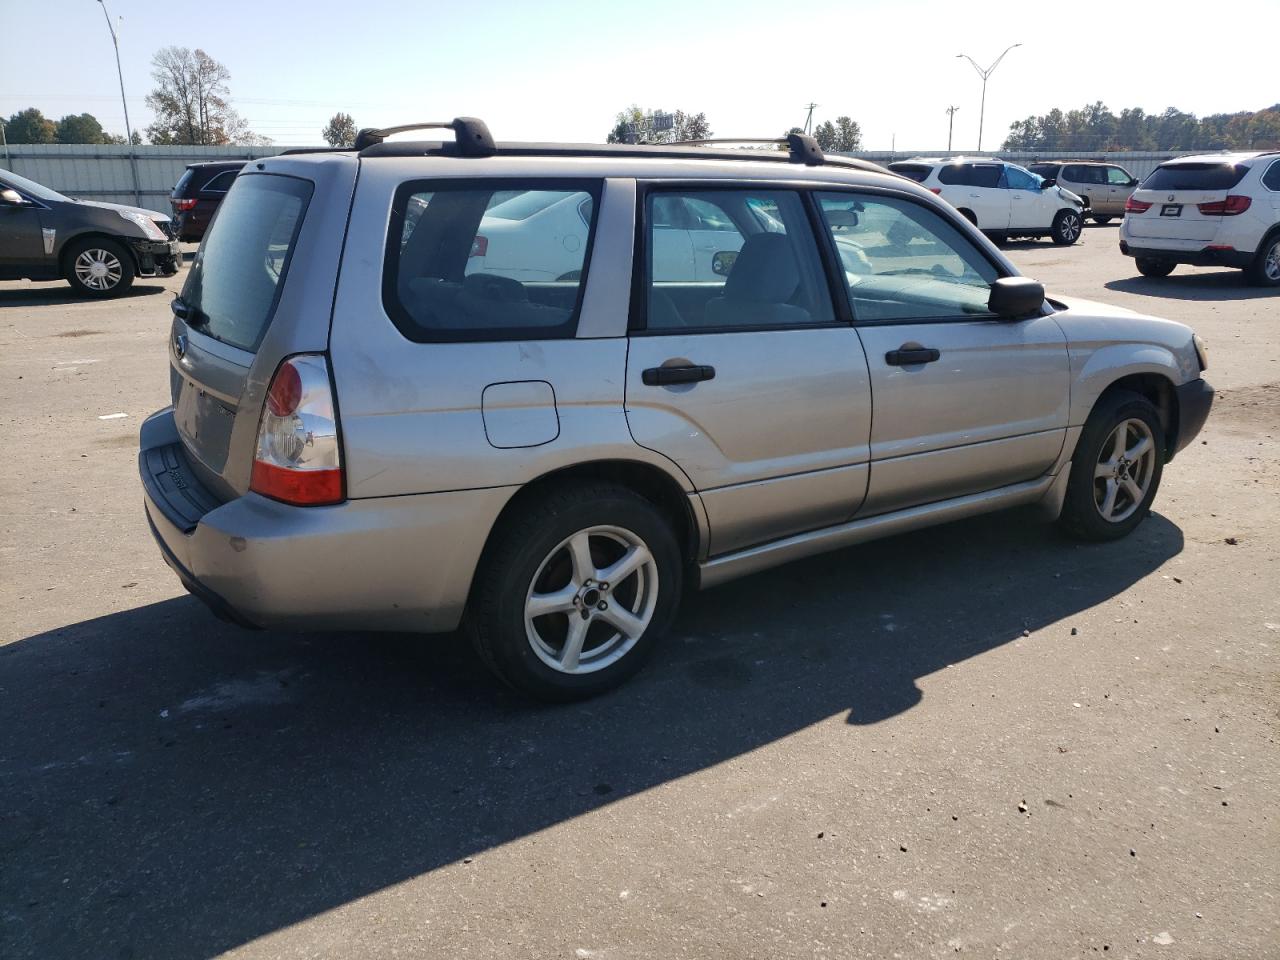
[197,194]
[96,247]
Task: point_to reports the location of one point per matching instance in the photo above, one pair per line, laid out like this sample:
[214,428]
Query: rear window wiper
[192,316]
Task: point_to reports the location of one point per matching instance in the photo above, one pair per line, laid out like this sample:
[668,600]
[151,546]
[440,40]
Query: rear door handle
[905,356]
[665,376]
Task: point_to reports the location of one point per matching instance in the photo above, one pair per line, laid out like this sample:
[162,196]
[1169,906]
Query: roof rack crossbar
[801,147]
[471,135]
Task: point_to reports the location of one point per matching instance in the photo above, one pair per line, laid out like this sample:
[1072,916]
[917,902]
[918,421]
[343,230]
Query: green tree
[30,126]
[848,135]
[340,131]
[191,101]
[634,125]
[825,134]
[81,128]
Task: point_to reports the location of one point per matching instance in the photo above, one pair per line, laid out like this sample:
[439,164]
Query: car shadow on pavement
[59,293]
[1223,285]
[177,787]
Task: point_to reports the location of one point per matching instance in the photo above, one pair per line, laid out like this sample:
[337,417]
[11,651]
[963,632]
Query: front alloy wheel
[1124,470]
[1067,226]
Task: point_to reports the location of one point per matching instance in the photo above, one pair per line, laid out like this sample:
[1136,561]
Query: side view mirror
[1050,182]
[12,198]
[1133,181]
[1015,298]
[723,262]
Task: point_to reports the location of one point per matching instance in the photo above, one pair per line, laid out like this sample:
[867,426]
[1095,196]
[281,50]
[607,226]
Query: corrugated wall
[103,172]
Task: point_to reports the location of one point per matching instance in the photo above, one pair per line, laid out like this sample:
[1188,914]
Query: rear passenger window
[971,174]
[1271,180]
[902,261]
[956,174]
[473,261]
[753,264]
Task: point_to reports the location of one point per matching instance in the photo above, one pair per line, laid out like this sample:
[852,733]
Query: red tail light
[479,247]
[1233,206]
[298,459]
[182,205]
[1136,206]
[937,190]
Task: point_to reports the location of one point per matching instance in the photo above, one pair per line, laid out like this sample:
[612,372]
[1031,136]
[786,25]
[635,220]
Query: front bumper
[1198,256]
[1195,398]
[157,258]
[387,563]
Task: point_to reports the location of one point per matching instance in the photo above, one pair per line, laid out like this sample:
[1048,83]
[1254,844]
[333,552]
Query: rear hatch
[918,172]
[228,304]
[1183,201]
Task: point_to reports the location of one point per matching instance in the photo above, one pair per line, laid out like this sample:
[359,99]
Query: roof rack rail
[471,135]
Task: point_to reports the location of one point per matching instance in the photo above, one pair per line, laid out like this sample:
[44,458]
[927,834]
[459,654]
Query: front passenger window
[902,261]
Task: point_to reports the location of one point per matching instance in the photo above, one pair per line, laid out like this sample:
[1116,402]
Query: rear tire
[97,267]
[1265,269]
[1066,228]
[1116,468]
[1154,268]
[543,615]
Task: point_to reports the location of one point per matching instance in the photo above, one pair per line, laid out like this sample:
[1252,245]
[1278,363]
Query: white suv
[1001,199]
[1215,210]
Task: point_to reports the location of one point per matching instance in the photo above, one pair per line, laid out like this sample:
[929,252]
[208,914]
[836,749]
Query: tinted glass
[1271,180]
[183,182]
[468,261]
[1117,177]
[902,261]
[222,182]
[913,171]
[956,174]
[236,277]
[1018,179]
[1195,176]
[985,175]
[763,271]
[1046,170]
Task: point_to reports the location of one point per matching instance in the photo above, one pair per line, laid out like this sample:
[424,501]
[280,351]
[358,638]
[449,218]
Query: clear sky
[560,70]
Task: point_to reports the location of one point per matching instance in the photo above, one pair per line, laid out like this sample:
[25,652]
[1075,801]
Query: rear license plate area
[1171,210]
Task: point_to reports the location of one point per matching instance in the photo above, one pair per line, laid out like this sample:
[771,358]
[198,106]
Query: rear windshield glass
[236,278]
[183,182]
[1195,176]
[912,171]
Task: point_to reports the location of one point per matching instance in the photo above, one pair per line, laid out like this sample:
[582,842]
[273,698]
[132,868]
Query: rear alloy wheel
[99,268]
[576,592]
[1265,269]
[1102,221]
[1153,268]
[1116,468]
[1066,227]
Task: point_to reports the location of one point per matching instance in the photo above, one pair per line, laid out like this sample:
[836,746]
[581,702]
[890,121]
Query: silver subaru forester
[540,390]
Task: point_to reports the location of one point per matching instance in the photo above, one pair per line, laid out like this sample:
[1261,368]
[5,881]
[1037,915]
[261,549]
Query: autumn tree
[340,131]
[191,101]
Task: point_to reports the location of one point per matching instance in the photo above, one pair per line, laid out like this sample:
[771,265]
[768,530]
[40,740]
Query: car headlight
[1202,351]
[147,225]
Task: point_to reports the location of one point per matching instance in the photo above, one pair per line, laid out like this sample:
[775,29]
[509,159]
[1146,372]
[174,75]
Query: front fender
[1100,367]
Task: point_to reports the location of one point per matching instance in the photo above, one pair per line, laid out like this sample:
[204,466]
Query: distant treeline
[1096,128]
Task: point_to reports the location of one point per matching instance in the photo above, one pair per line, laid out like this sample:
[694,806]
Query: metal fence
[103,172]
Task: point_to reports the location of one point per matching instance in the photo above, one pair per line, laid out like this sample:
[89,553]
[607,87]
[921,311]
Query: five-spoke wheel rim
[591,600]
[1070,226]
[98,269]
[1271,265]
[1122,476]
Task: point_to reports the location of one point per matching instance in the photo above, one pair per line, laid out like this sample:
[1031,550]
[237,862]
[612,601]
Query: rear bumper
[1195,398]
[389,563]
[1199,256]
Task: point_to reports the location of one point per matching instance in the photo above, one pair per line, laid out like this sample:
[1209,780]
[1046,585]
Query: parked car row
[540,391]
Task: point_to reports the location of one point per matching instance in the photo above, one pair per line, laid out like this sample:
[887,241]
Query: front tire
[1116,468]
[98,267]
[1265,269]
[576,591]
[1066,228]
[1102,221]
[1154,268]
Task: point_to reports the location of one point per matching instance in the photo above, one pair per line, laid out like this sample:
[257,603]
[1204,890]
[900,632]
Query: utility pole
[808,124]
[951,120]
[128,130]
[985,75]
[5,141]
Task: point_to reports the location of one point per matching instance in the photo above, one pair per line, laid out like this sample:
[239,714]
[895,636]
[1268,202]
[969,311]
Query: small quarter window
[1272,178]
[468,260]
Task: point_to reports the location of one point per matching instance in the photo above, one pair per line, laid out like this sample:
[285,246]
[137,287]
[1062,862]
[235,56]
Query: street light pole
[128,130]
[985,75]
[951,120]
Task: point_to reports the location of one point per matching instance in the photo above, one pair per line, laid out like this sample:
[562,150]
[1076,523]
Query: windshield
[32,188]
[234,283]
[1195,176]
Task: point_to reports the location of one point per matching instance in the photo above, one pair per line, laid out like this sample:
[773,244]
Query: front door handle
[906,355]
[665,376]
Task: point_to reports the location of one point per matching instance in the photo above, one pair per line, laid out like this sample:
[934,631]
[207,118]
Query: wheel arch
[1157,387]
